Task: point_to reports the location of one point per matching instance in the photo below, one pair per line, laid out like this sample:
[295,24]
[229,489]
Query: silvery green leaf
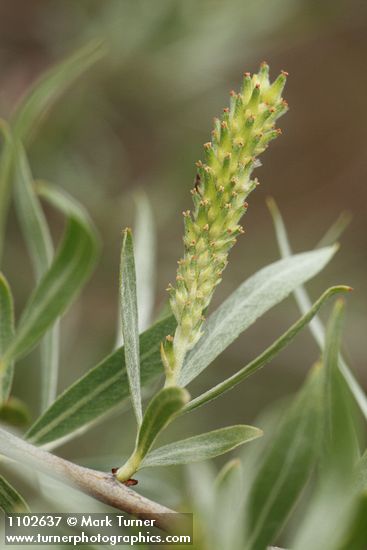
[32,219]
[6,335]
[33,108]
[285,465]
[145,258]
[337,499]
[229,486]
[340,438]
[304,303]
[38,100]
[248,302]
[129,321]
[73,263]
[39,243]
[335,230]
[161,410]
[266,356]
[6,163]
[100,390]
[201,447]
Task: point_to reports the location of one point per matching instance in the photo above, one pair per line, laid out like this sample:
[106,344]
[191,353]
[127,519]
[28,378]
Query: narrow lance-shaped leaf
[33,108]
[228,503]
[329,520]
[340,441]
[40,247]
[10,500]
[335,230]
[335,518]
[6,161]
[100,390]
[201,447]
[202,502]
[129,321]
[6,335]
[361,473]
[69,270]
[286,464]
[161,410]
[145,258]
[303,301]
[50,86]
[251,300]
[32,219]
[266,356]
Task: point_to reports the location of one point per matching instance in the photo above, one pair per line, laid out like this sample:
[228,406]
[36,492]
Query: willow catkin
[223,183]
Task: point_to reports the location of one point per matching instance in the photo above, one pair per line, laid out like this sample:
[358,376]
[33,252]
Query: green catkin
[222,185]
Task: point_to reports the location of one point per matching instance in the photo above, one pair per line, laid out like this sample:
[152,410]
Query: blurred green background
[138,121]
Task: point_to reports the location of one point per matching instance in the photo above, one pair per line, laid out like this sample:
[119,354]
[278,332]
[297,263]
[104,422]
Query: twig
[100,485]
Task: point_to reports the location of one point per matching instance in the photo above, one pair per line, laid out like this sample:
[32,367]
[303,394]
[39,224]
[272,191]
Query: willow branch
[100,485]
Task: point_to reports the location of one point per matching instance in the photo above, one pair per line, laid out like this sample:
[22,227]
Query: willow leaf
[285,465]
[68,272]
[248,302]
[6,335]
[40,247]
[201,447]
[101,389]
[337,498]
[129,321]
[31,216]
[38,100]
[160,412]
[228,503]
[33,108]
[6,162]
[144,231]
[340,441]
[266,355]
[304,303]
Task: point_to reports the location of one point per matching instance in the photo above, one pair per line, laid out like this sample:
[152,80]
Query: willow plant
[180,345]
